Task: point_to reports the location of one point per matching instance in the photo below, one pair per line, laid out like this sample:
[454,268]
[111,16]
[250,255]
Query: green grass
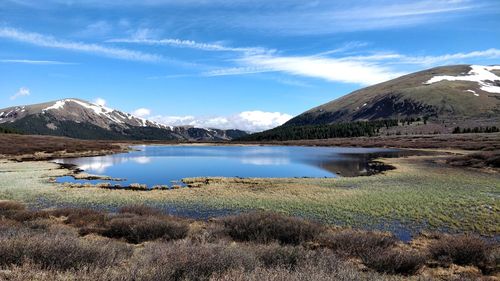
[416,195]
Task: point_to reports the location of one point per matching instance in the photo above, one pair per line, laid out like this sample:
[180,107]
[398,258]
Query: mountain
[461,92]
[77,118]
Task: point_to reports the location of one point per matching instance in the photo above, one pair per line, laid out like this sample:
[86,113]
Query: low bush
[394,261]
[11,206]
[140,210]
[80,217]
[139,229]
[187,261]
[462,250]
[356,243]
[274,255]
[61,252]
[266,227]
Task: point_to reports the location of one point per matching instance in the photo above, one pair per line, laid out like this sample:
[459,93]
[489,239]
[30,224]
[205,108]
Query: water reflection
[153,165]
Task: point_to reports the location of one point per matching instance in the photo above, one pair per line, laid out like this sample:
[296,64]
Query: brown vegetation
[477,160]
[463,250]
[438,141]
[268,227]
[51,245]
[46,147]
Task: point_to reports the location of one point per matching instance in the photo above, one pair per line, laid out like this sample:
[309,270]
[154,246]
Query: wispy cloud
[364,69]
[189,44]
[22,92]
[396,58]
[290,16]
[329,69]
[52,42]
[25,61]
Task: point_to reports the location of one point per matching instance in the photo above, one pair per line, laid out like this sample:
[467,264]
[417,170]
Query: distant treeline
[341,130]
[4,130]
[476,130]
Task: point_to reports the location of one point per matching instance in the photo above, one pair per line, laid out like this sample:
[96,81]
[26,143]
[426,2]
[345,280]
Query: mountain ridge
[77,118]
[447,91]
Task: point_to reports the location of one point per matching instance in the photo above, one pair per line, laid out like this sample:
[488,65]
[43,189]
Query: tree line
[341,130]
[4,130]
[493,129]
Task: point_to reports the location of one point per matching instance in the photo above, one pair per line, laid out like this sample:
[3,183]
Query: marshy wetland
[421,193]
[391,225]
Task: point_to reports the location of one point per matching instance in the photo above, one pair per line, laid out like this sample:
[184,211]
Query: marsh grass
[54,248]
[417,195]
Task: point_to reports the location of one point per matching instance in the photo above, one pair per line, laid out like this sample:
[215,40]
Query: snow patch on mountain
[483,75]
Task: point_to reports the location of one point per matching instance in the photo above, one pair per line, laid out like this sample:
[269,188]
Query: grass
[54,248]
[417,195]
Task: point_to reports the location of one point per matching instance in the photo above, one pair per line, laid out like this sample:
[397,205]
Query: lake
[168,164]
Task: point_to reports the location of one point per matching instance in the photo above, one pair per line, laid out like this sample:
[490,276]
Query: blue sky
[230,63]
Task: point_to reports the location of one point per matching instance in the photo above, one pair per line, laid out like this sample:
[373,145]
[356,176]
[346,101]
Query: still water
[163,165]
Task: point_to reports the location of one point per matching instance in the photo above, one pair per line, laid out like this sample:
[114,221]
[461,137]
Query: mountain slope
[81,119]
[460,91]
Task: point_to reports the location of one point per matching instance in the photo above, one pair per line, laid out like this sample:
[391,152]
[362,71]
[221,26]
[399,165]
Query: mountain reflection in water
[154,165]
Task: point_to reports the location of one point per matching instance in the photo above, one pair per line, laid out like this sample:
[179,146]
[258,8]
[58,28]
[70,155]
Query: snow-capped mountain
[466,92]
[81,119]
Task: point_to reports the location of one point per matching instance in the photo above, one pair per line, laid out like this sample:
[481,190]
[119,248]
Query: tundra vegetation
[141,243]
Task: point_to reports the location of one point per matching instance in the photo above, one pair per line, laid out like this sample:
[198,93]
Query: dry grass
[51,248]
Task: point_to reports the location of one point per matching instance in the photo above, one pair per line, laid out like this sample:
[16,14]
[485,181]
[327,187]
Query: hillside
[460,92]
[84,120]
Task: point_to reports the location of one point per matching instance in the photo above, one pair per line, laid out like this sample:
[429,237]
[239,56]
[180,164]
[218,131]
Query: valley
[413,176]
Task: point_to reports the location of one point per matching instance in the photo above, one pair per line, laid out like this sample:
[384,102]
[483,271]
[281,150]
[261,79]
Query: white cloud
[180,43]
[142,112]
[24,61]
[22,92]
[252,121]
[426,60]
[51,42]
[330,69]
[364,69]
[100,101]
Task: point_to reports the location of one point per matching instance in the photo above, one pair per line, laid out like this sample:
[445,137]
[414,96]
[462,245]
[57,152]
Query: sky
[245,64]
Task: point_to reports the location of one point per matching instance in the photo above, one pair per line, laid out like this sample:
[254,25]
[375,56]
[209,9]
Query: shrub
[394,261]
[356,243]
[268,227]
[11,206]
[140,210]
[462,250]
[80,217]
[274,255]
[60,252]
[187,261]
[139,229]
